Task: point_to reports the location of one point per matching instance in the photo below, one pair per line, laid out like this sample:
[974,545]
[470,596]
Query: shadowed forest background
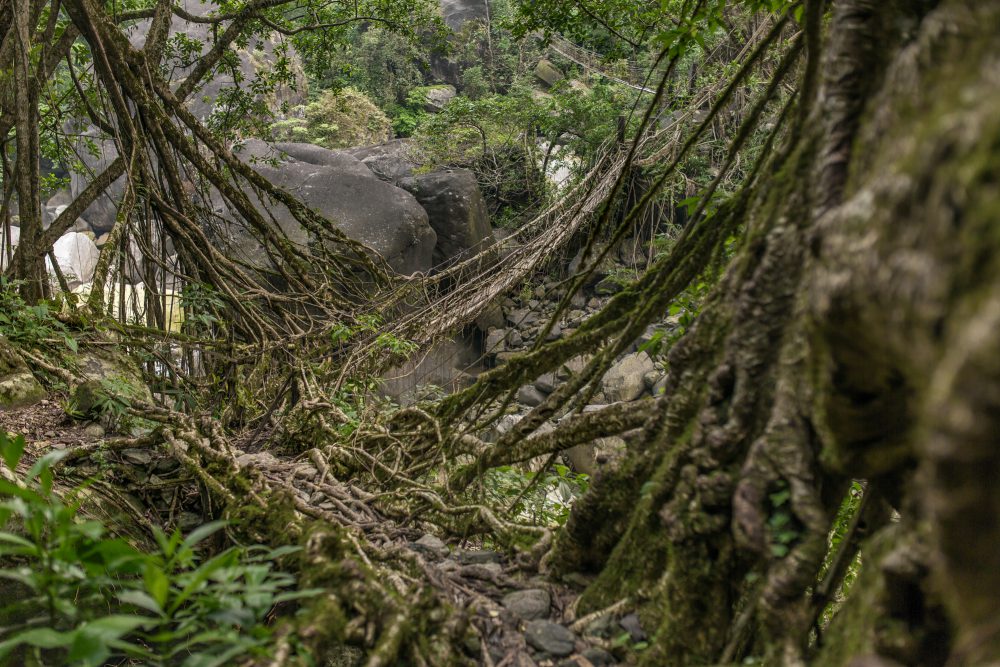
[488,332]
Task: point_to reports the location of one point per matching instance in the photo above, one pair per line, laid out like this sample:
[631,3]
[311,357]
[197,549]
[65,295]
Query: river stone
[550,637]
[477,557]
[598,657]
[528,605]
[530,396]
[495,341]
[522,317]
[546,383]
[482,571]
[491,318]
[431,544]
[18,387]
[632,625]
[624,381]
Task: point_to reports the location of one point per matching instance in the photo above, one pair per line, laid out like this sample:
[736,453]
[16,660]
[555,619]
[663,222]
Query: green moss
[18,387]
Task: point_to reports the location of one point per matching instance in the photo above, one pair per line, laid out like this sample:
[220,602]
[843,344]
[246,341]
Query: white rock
[77,256]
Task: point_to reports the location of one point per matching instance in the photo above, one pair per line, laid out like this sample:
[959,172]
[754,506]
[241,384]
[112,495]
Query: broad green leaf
[141,600]
[11,449]
[46,462]
[157,584]
[10,489]
[40,637]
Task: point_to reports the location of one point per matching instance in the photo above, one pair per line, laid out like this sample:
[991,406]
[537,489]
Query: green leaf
[21,545]
[779,550]
[779,498]
[41,637]
[202,532]
[12,490]
[141,600]
[11,449]
[157,584]
[201,575]
[88,650]
[46,462]
[114,626]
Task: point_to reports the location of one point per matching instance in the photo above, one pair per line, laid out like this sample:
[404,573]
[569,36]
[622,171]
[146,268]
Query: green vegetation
[697,366]
[76,595]
[336,119]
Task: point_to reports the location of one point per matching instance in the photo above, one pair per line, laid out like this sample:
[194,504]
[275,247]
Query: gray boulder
[335,184]
[455,210]
[625,380]
[457,12]
[18,387]
[528,605]
[550,637]
[390,161]
[548,73]
[436,98]
[107,372]
[254,58]
[530,396]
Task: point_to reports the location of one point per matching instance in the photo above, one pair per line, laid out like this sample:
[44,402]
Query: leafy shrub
[79,596]
[543,497]
[31,326]
[338,119]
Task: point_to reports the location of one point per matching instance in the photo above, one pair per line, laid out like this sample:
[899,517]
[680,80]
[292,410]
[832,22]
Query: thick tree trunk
[854,336]
[31,267]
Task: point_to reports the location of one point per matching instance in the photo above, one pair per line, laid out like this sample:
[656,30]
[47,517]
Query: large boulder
[339,187]
[107,372]
[457,12]
[18,387]
[548,73]
[76,254]
[391,161]
[455,210]
[437,97]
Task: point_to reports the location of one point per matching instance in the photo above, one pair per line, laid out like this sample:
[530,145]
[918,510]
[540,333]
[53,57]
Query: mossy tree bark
[853,336]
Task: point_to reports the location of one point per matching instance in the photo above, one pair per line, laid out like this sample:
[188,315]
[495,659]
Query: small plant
[543,497]
[201,304]
[31,326]
[77,596]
